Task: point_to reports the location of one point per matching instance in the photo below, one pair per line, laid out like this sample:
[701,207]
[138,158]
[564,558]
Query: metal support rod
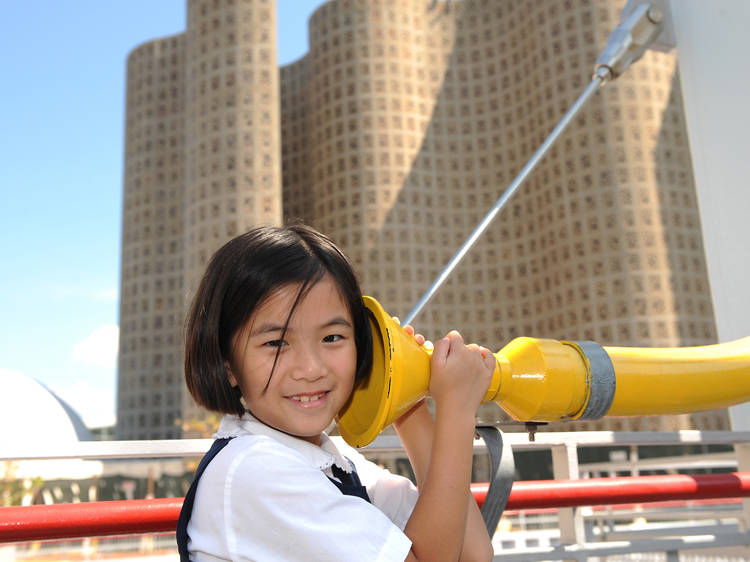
[599,79]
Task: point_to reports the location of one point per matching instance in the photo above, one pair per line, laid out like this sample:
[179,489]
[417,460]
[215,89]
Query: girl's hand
[460,374]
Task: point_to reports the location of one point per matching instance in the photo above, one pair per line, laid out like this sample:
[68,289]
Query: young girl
[276,336]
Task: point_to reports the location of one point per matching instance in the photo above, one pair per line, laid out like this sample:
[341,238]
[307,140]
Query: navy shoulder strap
[349,483]
[187,506]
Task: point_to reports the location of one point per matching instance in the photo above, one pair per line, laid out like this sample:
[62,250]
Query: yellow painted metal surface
[680,380]
[547,380]
[541,379]
[400,377]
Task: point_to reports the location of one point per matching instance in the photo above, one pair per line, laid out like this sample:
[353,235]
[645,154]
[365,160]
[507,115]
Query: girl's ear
[230,375]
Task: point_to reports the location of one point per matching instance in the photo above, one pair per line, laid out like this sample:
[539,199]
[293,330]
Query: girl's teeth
[307,398]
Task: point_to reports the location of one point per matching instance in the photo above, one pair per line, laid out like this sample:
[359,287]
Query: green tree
[200,427]
[12,489]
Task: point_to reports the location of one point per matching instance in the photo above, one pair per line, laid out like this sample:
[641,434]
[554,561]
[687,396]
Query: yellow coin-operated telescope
[549,380]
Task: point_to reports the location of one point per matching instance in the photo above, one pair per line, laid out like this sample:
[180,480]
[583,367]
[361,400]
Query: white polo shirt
[267,496]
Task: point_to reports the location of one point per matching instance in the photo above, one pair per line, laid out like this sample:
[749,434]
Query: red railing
[626,489]
[93,519]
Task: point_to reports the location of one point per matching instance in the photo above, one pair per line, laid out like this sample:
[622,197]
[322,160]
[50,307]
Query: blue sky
[61,150]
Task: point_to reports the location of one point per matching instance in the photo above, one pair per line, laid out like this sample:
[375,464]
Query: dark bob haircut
[239,276]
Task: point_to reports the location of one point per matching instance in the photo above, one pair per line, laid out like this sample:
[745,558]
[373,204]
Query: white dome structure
[31,414]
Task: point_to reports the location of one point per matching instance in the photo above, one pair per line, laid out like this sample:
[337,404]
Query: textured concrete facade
[399,129]
[202,163]
[150,381]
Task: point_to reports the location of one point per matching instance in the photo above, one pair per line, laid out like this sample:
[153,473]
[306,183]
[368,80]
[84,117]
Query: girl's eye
[276,343]
[333,338]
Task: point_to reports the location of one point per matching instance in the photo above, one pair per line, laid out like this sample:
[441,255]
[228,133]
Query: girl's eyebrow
[270,327]
[266,328]
[337,321]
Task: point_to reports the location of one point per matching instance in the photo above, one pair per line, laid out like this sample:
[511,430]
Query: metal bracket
[502,476]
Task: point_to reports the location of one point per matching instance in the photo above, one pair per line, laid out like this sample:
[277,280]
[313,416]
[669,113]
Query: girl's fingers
[489,358]
[441,349]
[409,329]
[453,335]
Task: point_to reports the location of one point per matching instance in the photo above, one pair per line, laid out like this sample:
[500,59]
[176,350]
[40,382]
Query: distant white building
[33,418]
[30,413]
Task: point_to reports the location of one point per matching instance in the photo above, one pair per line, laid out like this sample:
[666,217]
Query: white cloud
[95,404]
[99,349]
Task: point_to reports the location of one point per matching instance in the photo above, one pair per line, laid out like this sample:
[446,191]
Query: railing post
[634,469]
[565,467]
[742,450]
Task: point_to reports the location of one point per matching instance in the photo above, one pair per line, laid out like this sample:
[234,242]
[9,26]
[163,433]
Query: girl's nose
[308,365]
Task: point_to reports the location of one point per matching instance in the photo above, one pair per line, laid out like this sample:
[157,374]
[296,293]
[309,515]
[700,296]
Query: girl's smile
[311,400]
[297,380]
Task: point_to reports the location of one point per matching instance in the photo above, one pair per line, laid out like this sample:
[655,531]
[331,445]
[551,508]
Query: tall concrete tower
[149,380]
[202,163]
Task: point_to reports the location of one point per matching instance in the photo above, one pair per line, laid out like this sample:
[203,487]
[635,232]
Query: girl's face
[314,375]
